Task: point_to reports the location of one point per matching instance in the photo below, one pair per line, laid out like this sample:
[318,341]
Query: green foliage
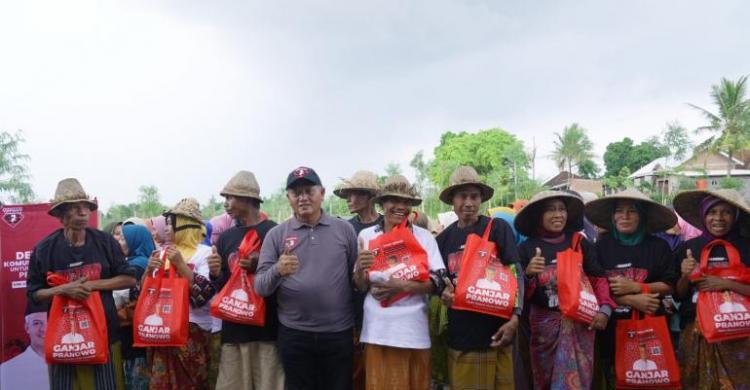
[149,202]
[731,183]
[730,124]
[14,174]
[619,181]
[687,183]
[625,154]
[212,208]
[572,148]
[588,169]
[676,140]
[277,206]
[498,157]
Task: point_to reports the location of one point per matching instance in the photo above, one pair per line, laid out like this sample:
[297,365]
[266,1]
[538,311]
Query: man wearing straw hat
[249,355]
[93,261]
[480,351]
[359,192]
[308,261]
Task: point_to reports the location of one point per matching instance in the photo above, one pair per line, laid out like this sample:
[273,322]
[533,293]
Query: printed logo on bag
[73,345]
[397,259]
[238,302]
[12,216]
[732,315]
[487,290]
[153,327]
[647,357]
[588,304]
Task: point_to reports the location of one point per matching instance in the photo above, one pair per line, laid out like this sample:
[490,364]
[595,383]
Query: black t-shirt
[359,226]
[99,258]
[467,330]
[545,293]
[650,261]
[717,257]
[227,247]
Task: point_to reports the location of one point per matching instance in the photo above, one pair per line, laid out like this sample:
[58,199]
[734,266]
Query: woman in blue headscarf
[137,244]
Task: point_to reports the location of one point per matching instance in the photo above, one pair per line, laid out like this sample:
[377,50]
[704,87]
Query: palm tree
[731,123]
[572,147]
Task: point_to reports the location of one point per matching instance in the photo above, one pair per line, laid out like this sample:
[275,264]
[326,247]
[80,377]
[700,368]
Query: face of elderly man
[36,327]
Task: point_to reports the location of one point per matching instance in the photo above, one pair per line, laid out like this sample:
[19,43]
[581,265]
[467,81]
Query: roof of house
[560,179]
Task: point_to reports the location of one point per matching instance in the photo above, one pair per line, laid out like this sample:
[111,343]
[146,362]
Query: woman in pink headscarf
[159,231]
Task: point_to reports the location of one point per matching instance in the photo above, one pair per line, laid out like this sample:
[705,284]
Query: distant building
[567,181]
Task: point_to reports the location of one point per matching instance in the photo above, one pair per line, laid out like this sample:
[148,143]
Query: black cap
[302,173]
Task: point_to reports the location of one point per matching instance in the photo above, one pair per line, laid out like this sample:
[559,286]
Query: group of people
[332,323]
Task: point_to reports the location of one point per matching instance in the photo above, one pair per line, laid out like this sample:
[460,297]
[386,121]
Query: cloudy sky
[182,94]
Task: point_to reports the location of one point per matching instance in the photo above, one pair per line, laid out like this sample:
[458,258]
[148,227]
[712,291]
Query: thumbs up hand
[214,262]
[288,263]
[536,264]
[365,259]
[688,264]
[449,293]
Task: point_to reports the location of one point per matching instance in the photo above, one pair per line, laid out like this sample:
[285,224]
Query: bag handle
[575,242]
[644,290]
[486,235]
[732,254]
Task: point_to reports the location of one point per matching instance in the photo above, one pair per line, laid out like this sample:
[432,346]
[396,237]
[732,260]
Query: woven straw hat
[242,184]
[658,217]
[687,204]
[463,176]
[360,181]
[527,219]
[398,186]
[187,207]
[69,191]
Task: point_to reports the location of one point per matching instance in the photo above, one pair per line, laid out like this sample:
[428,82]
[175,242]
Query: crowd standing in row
[348,306]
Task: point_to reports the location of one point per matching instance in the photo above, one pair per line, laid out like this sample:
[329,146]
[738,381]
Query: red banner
[21,227]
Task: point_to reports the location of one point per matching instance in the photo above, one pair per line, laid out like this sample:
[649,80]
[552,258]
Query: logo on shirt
[291,242]
[12,216]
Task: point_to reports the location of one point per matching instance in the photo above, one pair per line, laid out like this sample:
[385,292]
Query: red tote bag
[723,315]
[577,299]
[161,313]
[644,357]
[76,330]
[238,302]
[485,285]
[398,255]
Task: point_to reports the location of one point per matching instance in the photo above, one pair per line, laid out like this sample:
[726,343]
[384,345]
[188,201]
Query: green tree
[497,156]
[14,174]
[625,153]
[149,201]
[588,169]
[620,181]
[676,140]
[572,147]
[119,213]
[212,208]
[730,124]
[277,206]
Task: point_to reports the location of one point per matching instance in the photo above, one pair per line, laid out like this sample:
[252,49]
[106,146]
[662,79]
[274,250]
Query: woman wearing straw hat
[92,261]
[480,353]
[634,259]
[397,350]
[720,214]
[186,367]
[561,349]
